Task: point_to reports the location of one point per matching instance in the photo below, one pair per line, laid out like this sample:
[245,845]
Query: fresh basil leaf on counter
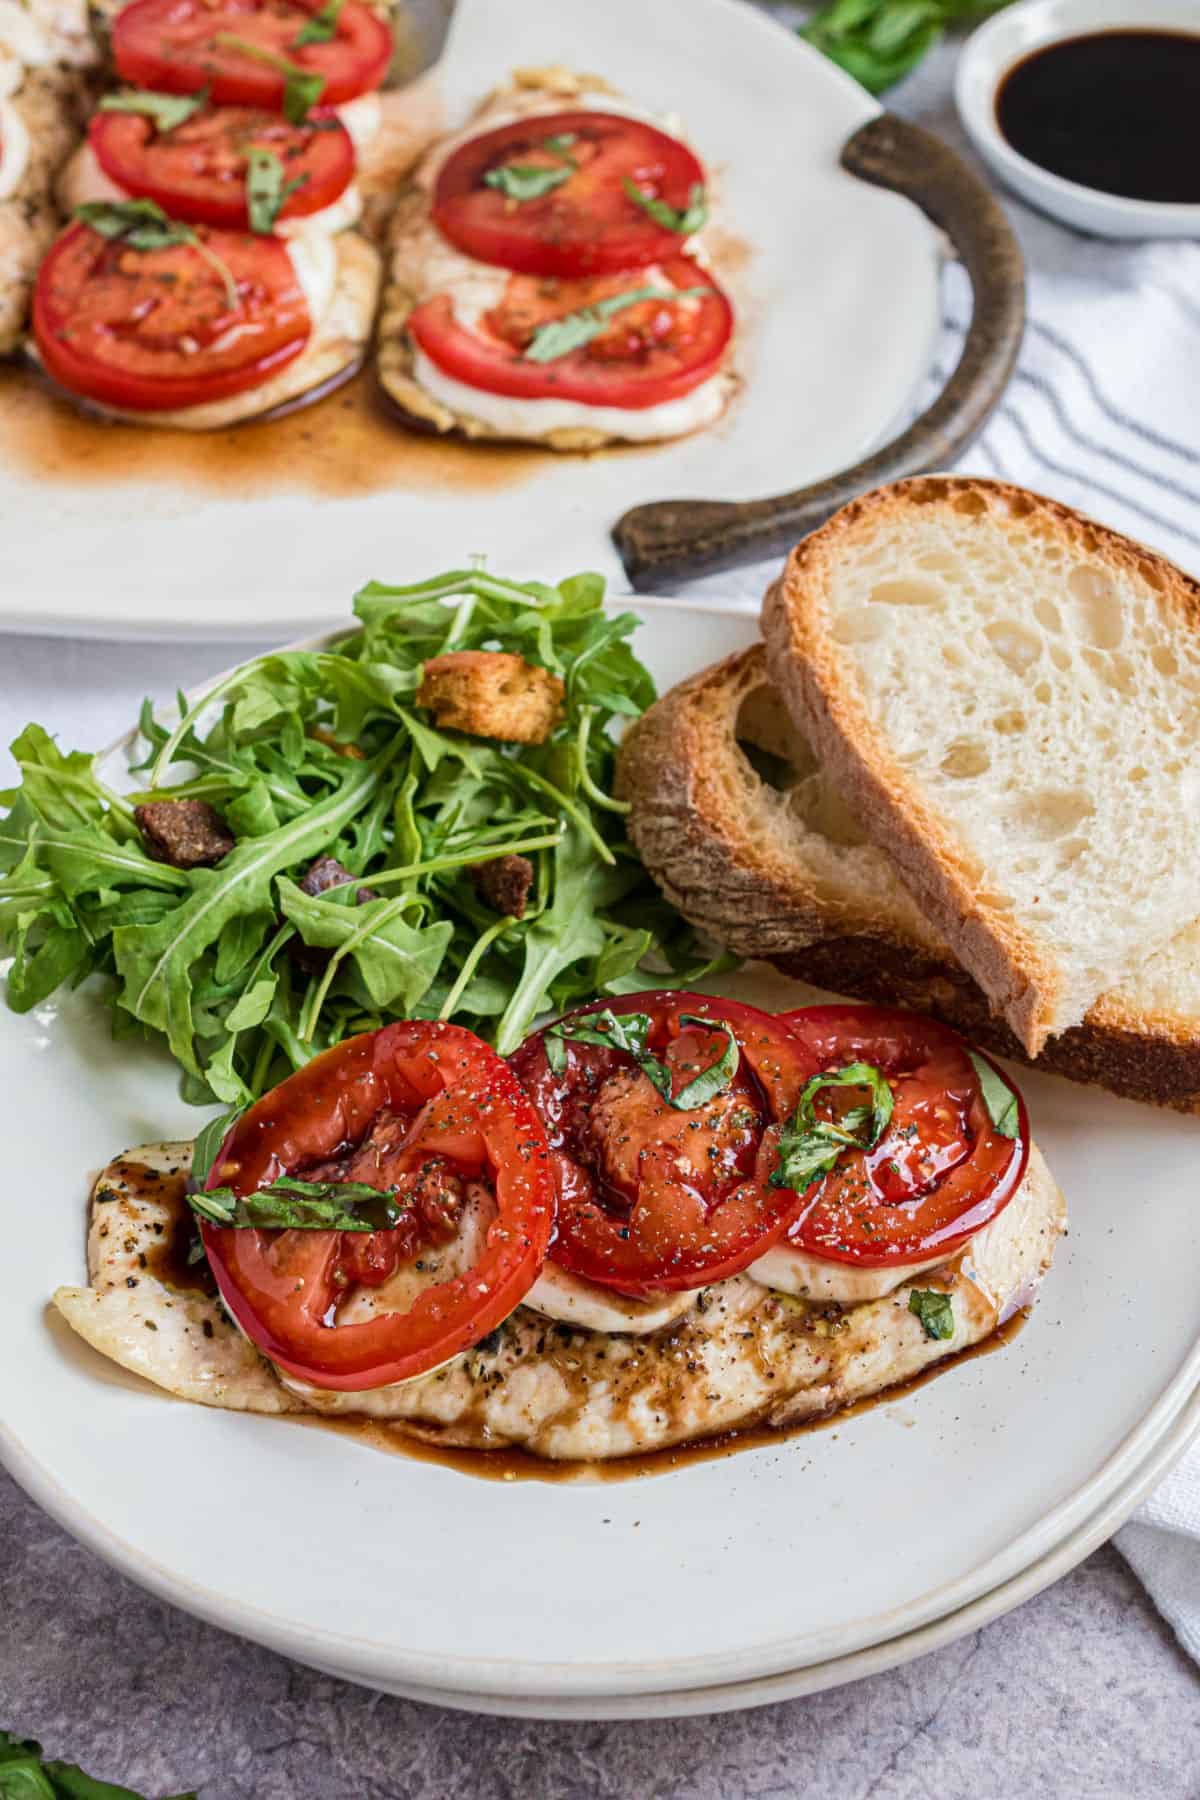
[558,337]
[24,1775]
[166,110]
[935,1311]
[685,222]
[881,41]
[322,27]
[810,1147]
[266,190]
[998,1097]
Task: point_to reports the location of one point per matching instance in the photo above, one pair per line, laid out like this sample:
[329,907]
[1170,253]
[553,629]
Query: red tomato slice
[177,47]
[198,170]
[647,353]
[151,330]
[653,1199]
[586,224]
[414,1105]
[940,1172]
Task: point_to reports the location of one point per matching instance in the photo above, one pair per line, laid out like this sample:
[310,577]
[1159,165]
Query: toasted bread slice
[1009,696]
[755,844]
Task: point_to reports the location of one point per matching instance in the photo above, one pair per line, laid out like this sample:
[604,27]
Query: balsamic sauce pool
[1118,111]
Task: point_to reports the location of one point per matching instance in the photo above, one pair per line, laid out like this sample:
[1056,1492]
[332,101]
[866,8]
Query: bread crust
[704,829]
[1013,968]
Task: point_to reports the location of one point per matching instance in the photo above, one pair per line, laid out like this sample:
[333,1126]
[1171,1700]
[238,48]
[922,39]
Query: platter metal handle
[666,540]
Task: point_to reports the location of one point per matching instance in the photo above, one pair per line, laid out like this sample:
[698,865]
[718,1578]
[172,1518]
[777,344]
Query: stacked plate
[730,1582]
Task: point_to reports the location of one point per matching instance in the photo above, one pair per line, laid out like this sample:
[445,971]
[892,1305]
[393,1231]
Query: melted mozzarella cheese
[14,150]
[791,1271]
[362,118]
[313,255]
[557,1294]
[537,418]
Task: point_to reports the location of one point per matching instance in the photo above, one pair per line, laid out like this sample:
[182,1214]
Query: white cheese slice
[362,119]
[791,1271]
[14,149]
[313,255]
[557,1294]
[537,418]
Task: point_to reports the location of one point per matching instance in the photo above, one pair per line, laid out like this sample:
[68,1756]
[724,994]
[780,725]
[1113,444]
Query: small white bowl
[1016,33]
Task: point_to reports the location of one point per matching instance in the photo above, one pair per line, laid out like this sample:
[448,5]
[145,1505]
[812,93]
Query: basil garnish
[560,336]
[693,216]
[291,1205]
[143,225]
[630,1032]
[208,1141]
[266,190]
[935,1311]
[166,110]
[998,1097]
[809,1147]
[526,181]
[302,88]
[321,27]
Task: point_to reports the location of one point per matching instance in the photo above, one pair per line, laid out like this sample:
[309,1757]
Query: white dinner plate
[836,284]
[412,1575]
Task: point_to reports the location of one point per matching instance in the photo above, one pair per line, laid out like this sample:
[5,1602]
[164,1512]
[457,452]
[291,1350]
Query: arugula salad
[245,965]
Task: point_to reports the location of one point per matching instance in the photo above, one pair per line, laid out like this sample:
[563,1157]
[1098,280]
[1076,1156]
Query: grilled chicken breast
[740,1355]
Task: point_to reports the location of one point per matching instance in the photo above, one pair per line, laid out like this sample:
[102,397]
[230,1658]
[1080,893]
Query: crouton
[188,834]
[326,873]
[504,884]
[493,694]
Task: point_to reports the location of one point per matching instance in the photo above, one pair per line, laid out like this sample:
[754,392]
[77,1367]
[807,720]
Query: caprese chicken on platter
[551,277]
[211,271]
[666,1217]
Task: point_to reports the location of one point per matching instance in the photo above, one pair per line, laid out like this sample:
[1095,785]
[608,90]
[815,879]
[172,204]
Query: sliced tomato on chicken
[240,51]
[550,195]
[950,1155]
[661,1193]
[153,330]
[416,1110]
[671,336]
[198,170]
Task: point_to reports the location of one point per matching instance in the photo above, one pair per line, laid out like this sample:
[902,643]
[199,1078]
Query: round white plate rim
[876,1659]
[372,1662]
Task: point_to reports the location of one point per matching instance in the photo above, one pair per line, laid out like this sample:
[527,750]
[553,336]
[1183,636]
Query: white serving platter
[837,289]
[756,1575]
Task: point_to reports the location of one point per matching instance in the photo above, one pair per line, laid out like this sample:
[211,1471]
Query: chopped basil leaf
[809,1147]
[561,141]
[526,181]
[998,1097]
[26,1775]
[143,225]
[302,87]
[291,1205]
[208,1141]
[935,1311]
[266,190]
[167,110]
[693,216]
[630,1032]
[560,336]
[321,27]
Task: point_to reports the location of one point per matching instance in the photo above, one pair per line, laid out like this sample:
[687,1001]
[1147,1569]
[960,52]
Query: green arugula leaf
[166,110]
[322,27]
[267,193]
[526,181]
[935,1311]
[1001,1101]
[685,222]
[810,1147]
[560,336]
[291,1205]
